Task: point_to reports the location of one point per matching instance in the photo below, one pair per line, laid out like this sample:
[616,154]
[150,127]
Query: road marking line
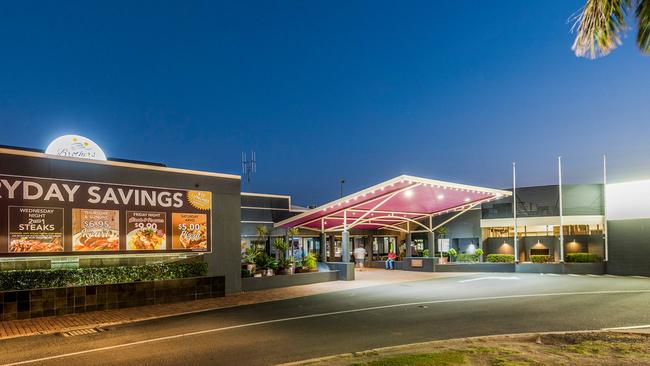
[489,278]
[320,315]
[631,327]
[574,275]
[553,274]
[641,277]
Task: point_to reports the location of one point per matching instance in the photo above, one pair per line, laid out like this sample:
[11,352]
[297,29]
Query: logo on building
[75,146]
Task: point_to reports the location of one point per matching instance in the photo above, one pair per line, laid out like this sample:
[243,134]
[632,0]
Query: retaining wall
[23,304]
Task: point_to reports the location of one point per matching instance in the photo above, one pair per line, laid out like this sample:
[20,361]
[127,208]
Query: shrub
[265,261]
[468,257]
[540,258]
[425,253]
[250,255]
[501,258]
[479,252]
[581,258]
[286,263]
[280,245]
[452,252]
[49,278]
[310,261]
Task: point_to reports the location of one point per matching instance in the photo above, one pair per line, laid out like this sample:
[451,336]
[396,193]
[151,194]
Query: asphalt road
[355,320]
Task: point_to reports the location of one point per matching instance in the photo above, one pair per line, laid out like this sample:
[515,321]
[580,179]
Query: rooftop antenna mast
[248,167]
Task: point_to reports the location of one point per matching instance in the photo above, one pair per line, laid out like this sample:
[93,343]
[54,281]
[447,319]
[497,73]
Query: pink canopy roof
[391,203]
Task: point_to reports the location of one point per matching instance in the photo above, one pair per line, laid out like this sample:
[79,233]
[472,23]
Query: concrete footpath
[98,319]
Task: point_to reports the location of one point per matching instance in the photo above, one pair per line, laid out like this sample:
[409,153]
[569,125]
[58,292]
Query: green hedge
[467,258]
[500,258]
[581,258]
[541,258]
[49,278]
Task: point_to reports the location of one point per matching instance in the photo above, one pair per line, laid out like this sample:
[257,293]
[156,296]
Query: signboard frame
[67,207]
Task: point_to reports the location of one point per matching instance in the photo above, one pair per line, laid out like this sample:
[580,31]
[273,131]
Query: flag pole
[605,208]
[514,209]
[559,170]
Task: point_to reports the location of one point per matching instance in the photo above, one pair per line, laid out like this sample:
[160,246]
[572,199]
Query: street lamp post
[342,182]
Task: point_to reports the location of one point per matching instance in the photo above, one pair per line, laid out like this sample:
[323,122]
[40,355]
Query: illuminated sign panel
[630,200]
[75,146]
[44,216]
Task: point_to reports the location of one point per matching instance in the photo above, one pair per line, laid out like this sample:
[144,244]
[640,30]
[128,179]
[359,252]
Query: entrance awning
[393,203]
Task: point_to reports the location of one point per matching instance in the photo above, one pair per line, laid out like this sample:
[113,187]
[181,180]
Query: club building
[99,212]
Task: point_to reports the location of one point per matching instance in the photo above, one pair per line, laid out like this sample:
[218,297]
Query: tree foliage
[601,23]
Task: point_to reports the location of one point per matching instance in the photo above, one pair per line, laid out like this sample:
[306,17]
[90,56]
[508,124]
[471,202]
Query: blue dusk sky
[324,90]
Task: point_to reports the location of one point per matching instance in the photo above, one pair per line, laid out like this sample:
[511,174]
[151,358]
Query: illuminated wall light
[408,193]
[466,199]
[440,196]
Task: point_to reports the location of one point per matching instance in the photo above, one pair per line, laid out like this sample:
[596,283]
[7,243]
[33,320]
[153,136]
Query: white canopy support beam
[382,202]
[400,220]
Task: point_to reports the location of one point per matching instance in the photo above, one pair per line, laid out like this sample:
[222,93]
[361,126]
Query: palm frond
[643,20]
[599,26]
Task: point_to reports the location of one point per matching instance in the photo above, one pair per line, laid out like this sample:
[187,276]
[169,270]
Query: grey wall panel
[467,225]
[629,247]
[265,202]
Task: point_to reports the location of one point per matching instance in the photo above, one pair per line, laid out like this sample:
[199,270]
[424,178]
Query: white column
[408,239]
[431,239]
[345,239]
[606,238]
[559,170]
[514,210]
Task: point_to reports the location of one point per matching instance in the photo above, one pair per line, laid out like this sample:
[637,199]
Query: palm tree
[600,23]
[262,232]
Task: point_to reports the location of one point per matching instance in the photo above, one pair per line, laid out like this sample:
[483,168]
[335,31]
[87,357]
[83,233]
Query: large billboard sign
[629,200]
[44,216]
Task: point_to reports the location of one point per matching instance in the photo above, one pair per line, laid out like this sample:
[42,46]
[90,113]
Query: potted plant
[280,248]
[425,253]
[298,268]
[310,262]
[250,256]
[443,258]
[286,265]
[262,232]
[266,264]
[452,254]
[272,267]
[479,254]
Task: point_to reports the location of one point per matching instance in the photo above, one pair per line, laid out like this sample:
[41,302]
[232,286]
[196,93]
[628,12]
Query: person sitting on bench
[390,262]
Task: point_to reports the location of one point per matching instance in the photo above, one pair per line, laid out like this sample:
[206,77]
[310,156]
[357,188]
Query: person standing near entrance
[390,262]
[359,257]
